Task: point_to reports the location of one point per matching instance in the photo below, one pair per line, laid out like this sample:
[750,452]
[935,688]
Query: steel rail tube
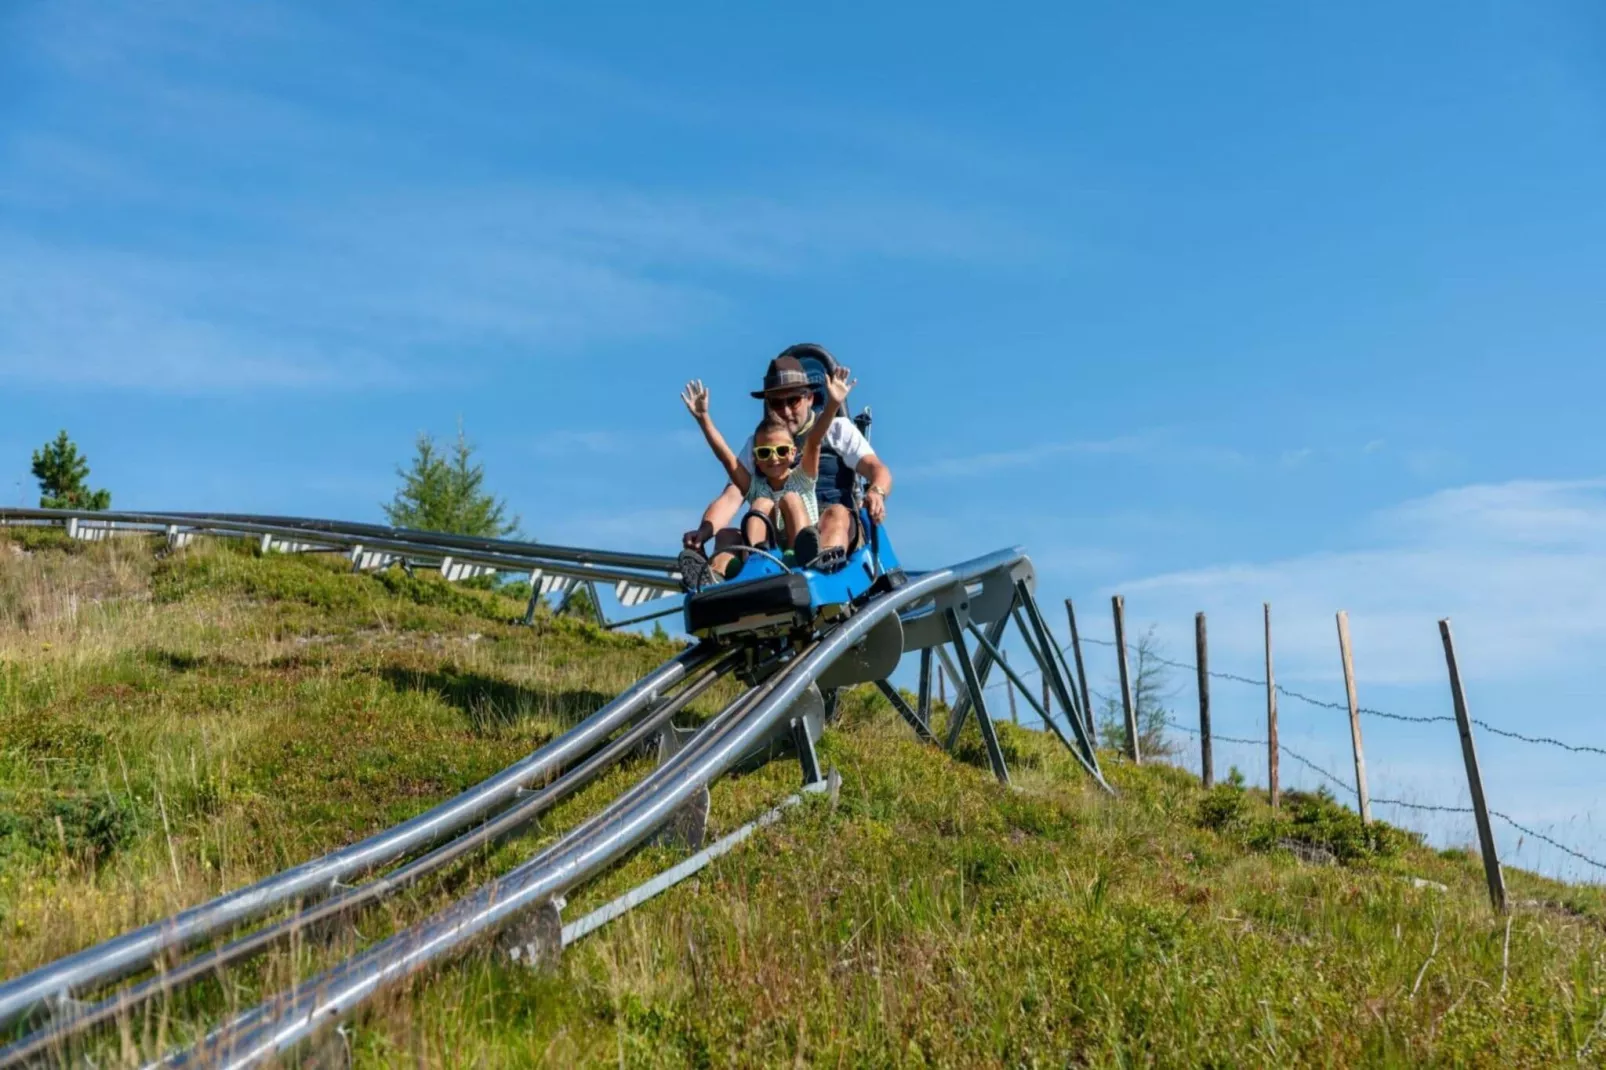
[290,1019]
[498,827]
[720,724]
[579,554]
[507,562]
[354,533]
[135,950]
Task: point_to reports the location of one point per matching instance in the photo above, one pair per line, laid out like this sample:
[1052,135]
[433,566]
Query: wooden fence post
[1009,686]
[1273,788]
[1207,768]
[1363,797]
[1118,605]
[1480,808]
[1081,672]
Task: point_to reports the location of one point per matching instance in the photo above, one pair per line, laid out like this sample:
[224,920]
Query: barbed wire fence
[1346,789]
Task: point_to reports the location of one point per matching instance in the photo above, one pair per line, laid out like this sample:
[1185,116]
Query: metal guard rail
[503,555]
[136,950]
[280,1025]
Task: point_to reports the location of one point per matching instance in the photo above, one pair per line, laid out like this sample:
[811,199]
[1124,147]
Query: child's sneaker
[830,559]
[694,571]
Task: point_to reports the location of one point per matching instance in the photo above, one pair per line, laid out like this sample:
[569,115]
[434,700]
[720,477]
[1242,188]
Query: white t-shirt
[843,436]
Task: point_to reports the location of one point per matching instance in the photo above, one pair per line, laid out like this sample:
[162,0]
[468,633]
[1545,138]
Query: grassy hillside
[171,727]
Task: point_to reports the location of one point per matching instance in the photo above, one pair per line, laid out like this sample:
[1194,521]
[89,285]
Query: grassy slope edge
[171,727]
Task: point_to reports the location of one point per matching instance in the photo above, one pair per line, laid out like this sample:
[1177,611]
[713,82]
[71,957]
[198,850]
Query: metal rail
[578,555]
[989,589]
[504,556]
[77,1020]
[280,1025]
[58,982]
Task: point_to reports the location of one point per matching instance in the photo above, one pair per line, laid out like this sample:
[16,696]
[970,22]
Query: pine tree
[63,473]
[578,603]
[1151,691]
[446,494]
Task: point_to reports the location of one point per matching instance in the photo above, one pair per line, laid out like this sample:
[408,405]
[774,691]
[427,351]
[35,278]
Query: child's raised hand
[696,398]
[839,384]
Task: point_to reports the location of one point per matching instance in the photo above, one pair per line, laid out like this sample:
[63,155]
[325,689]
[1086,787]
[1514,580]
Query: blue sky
[1208,304]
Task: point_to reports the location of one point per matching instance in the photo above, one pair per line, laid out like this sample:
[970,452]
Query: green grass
[174,726]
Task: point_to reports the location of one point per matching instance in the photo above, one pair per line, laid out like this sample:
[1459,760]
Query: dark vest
[837,480]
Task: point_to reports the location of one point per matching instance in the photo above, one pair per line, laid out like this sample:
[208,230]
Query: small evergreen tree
[1151,690]
[577,603]
[441,493]
[63,475]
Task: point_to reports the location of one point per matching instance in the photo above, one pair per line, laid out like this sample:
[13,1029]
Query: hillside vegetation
[173,726]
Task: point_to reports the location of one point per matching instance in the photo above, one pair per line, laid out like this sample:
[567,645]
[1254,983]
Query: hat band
[785,380]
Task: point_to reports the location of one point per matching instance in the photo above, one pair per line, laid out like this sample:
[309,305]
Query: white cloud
[247,230]
[1520,568]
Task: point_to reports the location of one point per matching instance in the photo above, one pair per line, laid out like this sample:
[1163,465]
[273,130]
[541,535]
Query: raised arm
[696,398]
[836,391]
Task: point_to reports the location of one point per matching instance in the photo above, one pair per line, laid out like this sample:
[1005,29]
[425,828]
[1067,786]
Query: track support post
[807,756]
[914,720]
[1050,666]
[536,940]
[973,693]
[975,673]
[923,704]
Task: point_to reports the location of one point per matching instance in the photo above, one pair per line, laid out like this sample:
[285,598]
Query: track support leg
[809,758]
[688,826]
[914,720]
[975,673]
[923,706]
[973,688]
[536,940]
[1062,691]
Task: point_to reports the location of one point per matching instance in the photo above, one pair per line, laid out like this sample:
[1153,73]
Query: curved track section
[504,824]
[930,609]
[402,544]
[281,1025]
[94,967]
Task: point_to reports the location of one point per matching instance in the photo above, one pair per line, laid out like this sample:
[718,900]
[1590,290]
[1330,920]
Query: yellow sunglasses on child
[777,453]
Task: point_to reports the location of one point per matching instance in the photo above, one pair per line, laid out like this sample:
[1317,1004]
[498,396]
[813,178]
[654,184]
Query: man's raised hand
[696,398]
[839,385]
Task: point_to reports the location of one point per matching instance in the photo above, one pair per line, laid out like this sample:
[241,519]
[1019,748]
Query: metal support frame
[914,720]
[974,673]
[644,618]
[1077,710]
[1088,756]
[923,702]
[536,940]
[1003,664]
[973,686]
[807,756]
[951,673]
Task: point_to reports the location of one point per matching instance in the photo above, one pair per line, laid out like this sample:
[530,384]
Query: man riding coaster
[789,394]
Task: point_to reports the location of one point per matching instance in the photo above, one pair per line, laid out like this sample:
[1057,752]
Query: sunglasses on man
[773,453]
[785,401]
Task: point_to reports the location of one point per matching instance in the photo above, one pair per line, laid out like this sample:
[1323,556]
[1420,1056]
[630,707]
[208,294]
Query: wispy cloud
[241,231]
[1520,567]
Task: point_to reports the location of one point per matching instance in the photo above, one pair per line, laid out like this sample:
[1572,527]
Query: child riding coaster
[781,498]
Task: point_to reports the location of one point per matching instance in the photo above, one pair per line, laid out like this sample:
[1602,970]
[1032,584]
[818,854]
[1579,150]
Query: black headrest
[817,361]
